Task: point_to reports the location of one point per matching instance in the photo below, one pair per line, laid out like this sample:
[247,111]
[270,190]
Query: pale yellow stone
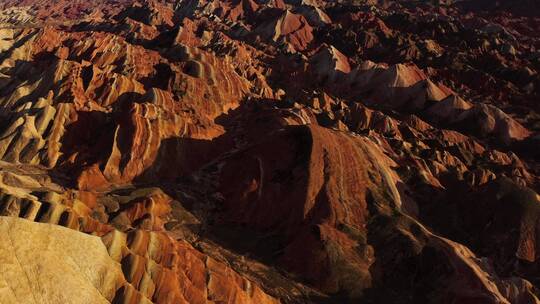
[43,263]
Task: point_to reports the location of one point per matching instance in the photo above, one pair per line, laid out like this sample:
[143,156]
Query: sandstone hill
[269,151]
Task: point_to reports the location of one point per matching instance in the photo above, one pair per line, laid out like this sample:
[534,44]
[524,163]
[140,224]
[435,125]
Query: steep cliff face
[269,151]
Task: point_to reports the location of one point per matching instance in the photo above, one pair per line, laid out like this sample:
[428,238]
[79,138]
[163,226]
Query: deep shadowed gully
[269,151]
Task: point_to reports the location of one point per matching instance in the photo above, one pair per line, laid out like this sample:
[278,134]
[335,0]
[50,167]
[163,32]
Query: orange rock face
[282,151]
[294,183]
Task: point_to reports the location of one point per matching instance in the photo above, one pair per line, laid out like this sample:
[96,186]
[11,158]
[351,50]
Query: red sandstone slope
[55,11]
[270,151]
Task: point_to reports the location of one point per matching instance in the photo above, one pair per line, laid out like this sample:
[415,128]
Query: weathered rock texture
[48,263]
[269,151]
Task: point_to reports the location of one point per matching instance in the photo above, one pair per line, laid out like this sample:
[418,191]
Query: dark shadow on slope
[179,157]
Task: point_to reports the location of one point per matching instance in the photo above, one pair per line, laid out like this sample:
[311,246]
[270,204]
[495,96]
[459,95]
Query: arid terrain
[269,151]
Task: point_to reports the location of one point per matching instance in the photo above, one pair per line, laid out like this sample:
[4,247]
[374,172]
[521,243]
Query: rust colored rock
[269,151]
[294,183]
[287,27]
